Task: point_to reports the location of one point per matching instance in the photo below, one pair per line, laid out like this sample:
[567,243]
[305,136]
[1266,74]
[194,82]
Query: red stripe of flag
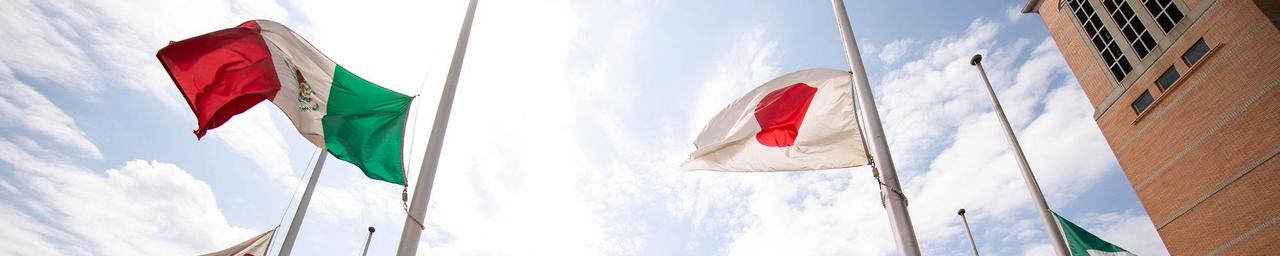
[222,73]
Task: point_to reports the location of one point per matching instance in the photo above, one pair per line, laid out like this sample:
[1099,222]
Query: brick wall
[1202,157]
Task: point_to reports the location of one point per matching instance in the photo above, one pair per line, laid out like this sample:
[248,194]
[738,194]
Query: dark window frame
[1165,13]
[1114,59]
[1168,78]
[1196,52]
[1143,102]
[1131,27]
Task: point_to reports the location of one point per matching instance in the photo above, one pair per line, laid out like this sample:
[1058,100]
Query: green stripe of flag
[1082,242]
[364,125]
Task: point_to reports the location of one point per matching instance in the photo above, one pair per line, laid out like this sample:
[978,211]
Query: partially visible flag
[256,246]
[800,121]
[225,72]
[1083,243]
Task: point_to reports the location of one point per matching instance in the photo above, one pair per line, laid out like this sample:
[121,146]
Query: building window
[1167,78]
[1142,102]
[1101,38]
[1165,12]
[1130,26]
[1196,52]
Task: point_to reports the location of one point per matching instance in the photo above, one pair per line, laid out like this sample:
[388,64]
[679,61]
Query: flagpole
[1050,225]
[426,176]
[972,244]
[366,242]
[287,247]
[891,191]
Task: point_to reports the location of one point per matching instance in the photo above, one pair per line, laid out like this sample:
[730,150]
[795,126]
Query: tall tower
[1185,93]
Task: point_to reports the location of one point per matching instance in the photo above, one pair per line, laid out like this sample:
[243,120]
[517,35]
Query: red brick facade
[1202,157]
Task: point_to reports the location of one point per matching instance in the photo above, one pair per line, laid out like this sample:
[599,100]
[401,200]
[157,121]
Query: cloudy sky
[570,121]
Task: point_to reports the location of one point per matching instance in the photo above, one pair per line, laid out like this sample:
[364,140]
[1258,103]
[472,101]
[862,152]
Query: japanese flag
[800,121]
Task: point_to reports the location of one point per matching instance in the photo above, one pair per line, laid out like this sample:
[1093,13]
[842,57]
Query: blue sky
[570,121]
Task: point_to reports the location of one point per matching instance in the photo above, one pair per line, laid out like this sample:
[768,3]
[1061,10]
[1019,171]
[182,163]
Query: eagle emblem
[306,96]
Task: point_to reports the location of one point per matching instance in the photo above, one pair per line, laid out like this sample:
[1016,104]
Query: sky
[570,121]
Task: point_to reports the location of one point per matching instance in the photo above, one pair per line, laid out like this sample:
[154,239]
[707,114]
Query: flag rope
[285,212]
[875,172]
[296,187]
[411,134]
[859,116]
[404,200]
[404,193]
[430,63]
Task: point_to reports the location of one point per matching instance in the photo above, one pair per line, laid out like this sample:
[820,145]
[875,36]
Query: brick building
[1183,91]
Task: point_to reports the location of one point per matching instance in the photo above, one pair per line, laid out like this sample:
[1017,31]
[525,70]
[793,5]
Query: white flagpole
[366,242]
[427,175]
[891,191]
[1050,223]
[972,244]
[287,247]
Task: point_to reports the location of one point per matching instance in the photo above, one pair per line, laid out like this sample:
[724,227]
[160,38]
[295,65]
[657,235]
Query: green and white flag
[1083,243]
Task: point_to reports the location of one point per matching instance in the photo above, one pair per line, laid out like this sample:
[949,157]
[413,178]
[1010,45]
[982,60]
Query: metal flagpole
[366,242]
[895,203]
[1050,224]
[287,247]
[427,175]
[972,244]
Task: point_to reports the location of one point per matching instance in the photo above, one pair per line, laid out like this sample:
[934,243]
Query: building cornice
[1031,6]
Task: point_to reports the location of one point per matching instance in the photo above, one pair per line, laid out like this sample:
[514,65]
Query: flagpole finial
[977,59]
[961,212]
[371,229]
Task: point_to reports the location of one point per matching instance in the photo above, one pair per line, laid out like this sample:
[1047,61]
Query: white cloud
[372,40]
[53,204]
[1131,230]
[972,168]
[255,135]
[868,48]
[362,199]
[140,208]
[747,63]
[895,50]
[1038,249]
[940,98]
[1014,13]
[555,203]
[78,44]
[25,108]
[88,47]
[20,234]
[924,99]
[35,45]
[832,213]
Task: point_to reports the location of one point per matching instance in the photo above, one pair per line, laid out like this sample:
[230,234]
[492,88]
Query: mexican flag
[225,72]
[1083,243]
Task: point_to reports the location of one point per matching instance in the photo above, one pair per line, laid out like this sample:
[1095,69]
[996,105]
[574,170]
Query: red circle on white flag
[780,113]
